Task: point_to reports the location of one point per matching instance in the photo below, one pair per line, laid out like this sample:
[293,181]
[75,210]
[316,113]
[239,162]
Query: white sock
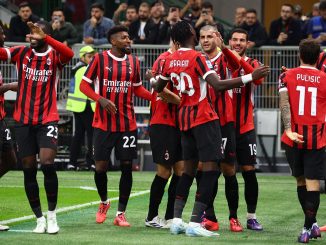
[177,220]
[41,218]
[118,212]
[51,214]
[251,216]
[106,202]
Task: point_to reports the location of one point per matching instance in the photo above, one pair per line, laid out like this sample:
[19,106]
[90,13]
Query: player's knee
[228,169]
[126,166]
[178,168]
[48,169]
[164,172]
[245,168]
[301,181]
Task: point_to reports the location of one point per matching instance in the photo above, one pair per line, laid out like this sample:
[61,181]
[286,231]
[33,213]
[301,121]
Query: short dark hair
[288,5]
[97,6]
[239,30]
[181,32]
[174,6]
[132,7]
[47,27]
[207,5]
[116,29]
[57,9]
[23,5]
[309,50]
[322,5]
[251,11]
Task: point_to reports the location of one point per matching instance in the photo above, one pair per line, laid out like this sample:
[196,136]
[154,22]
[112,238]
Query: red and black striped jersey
[161,112]
[306,87]
[38,75]
[221,101]
[321,63]
[188,69]
[2,101]
[114,78]
[243,101]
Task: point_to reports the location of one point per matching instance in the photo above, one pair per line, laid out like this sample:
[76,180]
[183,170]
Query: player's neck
[117,53]
[41,49]
[304,64]
[212,54]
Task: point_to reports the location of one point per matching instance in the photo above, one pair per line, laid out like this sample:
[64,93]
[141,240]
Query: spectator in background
[207,18]
[315,10]
[285,30]
[131,14]
[143,30]
[257,35]
[193,16]
[240,16]
[18,28]
[164,32]
[63,31]
[298,15]
[157,12]
[97,26]
[316,28]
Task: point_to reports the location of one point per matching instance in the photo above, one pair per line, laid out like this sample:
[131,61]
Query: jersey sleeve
[165,73]
[137,78]
[282,84]
[91,70]
[203,66]
[14,53]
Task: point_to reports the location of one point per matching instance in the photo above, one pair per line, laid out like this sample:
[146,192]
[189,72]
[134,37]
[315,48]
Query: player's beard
[126,50]
[38,44]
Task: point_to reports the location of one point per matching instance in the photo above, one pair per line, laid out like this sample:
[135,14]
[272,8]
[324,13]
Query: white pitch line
[70,208]
[21,231]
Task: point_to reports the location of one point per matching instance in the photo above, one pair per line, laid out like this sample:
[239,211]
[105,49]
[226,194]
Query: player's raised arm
[37,33]
[219,85]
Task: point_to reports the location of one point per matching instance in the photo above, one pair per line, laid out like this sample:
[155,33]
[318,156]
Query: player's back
[307,95]
[306,87]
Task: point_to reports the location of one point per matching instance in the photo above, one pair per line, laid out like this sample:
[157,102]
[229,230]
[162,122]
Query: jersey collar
[216,57]
[185,49]
[309,67]
[42,54]
[117,58]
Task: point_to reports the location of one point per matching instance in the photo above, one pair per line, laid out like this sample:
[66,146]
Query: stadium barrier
[266,96]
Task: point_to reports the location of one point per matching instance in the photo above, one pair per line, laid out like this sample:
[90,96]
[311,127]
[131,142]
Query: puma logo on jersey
[29,59]
[109,68]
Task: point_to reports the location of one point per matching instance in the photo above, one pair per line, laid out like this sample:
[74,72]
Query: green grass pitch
[278,210]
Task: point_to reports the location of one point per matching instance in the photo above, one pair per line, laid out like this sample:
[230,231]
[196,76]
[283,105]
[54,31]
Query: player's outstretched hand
[108,105]
[295,137]
[260,72]
[148,75]
[36,31]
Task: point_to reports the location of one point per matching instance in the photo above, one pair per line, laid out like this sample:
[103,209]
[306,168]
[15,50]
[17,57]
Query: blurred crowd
[152,23]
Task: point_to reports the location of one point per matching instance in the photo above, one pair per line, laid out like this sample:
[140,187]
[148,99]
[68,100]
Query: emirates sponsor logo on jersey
[117,86]
[36,75]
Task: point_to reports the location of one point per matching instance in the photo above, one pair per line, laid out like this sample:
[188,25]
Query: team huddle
[201,124]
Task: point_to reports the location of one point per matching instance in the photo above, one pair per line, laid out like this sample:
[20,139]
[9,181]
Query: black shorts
[203,142]
[30,138]
[246,148]
[165,144]
[5,138]
[307,163]
[228,142]
[124,143]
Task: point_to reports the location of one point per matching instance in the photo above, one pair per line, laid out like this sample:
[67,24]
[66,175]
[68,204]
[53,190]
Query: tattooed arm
[286,118]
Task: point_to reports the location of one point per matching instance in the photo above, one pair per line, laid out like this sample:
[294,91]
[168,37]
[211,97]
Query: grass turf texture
[278,210]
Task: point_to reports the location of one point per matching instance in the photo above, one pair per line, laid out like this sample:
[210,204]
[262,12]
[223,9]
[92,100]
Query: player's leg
[27,150]
[126,151]
[163,173]
[313,172]
[209,146]
[178,169]
[246,154]
[103,142]
[47,139]
[76,141]
[8,158]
